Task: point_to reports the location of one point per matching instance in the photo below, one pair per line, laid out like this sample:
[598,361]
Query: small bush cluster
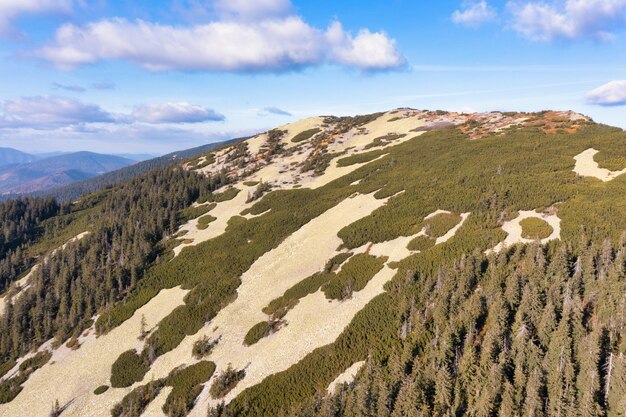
[421,243]
[257,332]
[10,388]
[226,381]
[534,228]
[203,347]
[306,135]
[354,276]
[441,224]
[128,369]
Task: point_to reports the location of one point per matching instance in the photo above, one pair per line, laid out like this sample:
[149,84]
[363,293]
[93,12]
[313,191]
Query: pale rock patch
[586,166]
[346,377]
[513,229]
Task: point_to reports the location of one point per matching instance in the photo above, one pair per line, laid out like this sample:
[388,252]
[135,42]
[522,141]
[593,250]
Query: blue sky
[157,76]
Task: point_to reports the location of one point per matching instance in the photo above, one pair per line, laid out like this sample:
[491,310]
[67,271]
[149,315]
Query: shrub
[257,332]
[250,183]
[306,135]
[128,369]
[194,212]
[354,276]
[227,195]
[203,347]
[534,228]
[421,243]
[204,221]
[359,158]
[441,224]
[226,381]
[101,389]
[186,386]
[335,262]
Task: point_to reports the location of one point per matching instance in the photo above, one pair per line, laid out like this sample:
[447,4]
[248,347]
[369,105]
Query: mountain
[56,171]
[404,263]
[74,190]
[10,156]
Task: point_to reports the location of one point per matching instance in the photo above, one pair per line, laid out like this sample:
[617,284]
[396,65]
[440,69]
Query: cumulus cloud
[69,87]
[11,9]
[474,14]
[175,113]
[569,19]
[270,44]
[275,111]
[610,94]
[45,112]
[53,112]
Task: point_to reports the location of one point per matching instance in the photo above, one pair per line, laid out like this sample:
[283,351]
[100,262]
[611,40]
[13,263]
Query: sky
[158,76]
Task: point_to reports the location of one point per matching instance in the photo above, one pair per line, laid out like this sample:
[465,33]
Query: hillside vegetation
[445,324]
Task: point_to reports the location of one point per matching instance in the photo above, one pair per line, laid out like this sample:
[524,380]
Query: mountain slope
[453,264]
[57,170]
[9,156]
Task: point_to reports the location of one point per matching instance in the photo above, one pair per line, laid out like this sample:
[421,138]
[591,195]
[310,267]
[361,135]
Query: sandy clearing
[75,374]
[346,377]
[223,212]
[299,256]
[255,143]
[514,230]
[155,408]
[332,173]
[586,166]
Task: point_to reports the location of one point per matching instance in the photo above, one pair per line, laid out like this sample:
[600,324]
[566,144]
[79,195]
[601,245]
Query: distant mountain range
[21,173]
[9,156]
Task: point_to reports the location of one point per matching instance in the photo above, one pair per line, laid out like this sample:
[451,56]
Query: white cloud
[69,87]
[474,14]
[11,9]
[45,112]
[175,113]
[267,45]
[610,94]
[569,19]
[367,51]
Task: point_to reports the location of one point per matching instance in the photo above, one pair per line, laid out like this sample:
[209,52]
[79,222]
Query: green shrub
[441,224]
[421,243]
[203,347]
[360,158]
[278,307]
[384,140]
[135,402]
[534,228]
[257,332]
[6,367]
[128,369]
[306,135]
[354,276]
[191,213]
[336,261]
[186,386]
[204,221]
[101,389]
[227,195]
[226,381]
[250,183]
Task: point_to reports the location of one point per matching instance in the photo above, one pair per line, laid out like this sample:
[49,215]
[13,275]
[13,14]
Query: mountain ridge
[419,256]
